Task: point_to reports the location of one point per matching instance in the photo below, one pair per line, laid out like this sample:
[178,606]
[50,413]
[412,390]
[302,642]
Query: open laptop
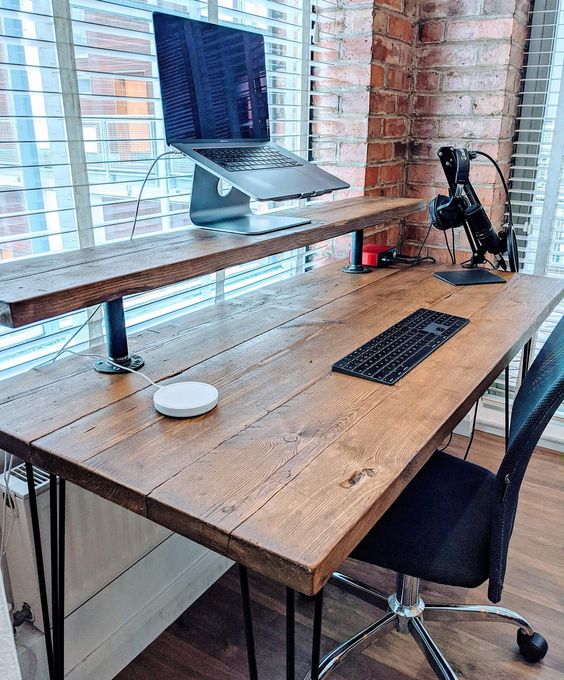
[215,103]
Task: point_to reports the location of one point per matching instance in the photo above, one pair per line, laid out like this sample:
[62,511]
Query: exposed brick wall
[404,77]
[467,63]
[362,134]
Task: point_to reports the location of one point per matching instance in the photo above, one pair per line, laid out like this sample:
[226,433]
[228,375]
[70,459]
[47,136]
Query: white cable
[113,363]
[149,171]
[73,336]
[6,533]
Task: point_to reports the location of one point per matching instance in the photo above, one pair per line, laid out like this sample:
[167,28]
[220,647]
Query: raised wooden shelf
[33,290]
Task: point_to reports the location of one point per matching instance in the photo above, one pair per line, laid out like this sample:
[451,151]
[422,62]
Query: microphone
[483,232]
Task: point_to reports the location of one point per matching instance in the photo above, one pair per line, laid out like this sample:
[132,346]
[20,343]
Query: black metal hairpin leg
[316,643]
[55,631]
[57,489]
[506,407]
[40,567]
[526,358]
[54,535]
[60,625]
[290,634]
[248,619]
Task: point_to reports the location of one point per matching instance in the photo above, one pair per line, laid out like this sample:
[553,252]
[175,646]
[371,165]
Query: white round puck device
[185,399]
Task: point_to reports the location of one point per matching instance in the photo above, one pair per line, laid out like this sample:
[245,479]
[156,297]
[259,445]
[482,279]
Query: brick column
[362,133]
[467,69]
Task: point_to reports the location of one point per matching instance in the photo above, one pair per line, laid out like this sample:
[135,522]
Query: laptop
[215,105]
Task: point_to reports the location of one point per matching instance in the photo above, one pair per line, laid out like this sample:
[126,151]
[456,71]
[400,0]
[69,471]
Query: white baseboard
[112,628]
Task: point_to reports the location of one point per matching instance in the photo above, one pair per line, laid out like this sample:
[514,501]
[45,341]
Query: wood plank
[30,292]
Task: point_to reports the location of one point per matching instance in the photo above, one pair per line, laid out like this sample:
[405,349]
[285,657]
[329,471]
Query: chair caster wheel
[533,647]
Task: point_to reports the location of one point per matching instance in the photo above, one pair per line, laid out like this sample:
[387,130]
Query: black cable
[448,248]
[473,430]
[506,189]
[445,447]
[413,260]
[453,248]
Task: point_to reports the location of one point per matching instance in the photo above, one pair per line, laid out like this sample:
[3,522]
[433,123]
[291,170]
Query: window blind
[537,172]
[81,121]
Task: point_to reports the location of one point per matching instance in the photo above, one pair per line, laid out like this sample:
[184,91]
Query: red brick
[431,31]
[424,128]
[400,28]
[391,173]
[421,172]
[377,75]
[382,102]
[395,127]
[375,126]
[392,4]
[396,78]
[380,151]
[427,81]
[402,104]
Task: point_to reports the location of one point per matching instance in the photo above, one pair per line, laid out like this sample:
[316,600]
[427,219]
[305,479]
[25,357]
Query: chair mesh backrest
[540,395]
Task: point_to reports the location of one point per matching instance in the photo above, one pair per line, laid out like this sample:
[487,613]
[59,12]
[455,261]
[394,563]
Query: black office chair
[452,525]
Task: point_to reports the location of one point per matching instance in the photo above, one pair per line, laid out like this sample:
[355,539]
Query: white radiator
[103,540]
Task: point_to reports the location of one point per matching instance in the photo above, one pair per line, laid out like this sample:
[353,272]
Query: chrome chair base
[406,611]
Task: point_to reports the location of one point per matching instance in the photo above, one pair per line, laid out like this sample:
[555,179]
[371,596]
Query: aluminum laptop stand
[232,212]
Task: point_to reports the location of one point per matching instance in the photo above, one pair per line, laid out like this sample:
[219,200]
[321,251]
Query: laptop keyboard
[236,159]
[390,355]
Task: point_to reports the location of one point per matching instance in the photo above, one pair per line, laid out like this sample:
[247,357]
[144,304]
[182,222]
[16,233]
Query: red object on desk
[372,255]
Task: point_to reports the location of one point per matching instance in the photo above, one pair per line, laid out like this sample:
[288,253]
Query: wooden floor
[207,642]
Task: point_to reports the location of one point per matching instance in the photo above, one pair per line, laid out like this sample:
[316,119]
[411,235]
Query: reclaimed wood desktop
[296,463]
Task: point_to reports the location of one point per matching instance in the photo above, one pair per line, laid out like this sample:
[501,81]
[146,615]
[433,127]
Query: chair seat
[439,527]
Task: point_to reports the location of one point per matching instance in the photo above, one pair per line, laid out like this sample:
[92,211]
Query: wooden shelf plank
[33,290]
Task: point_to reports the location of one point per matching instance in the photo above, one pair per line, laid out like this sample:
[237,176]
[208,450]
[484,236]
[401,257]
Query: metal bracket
[231,212]
[116,338]
[356,266]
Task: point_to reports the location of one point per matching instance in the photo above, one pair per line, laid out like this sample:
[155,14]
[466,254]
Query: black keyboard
[390,355]
[236,159]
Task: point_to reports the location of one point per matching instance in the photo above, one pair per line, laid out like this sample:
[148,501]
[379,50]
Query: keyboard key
[248,158]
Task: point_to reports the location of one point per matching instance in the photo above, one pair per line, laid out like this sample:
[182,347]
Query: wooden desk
[296,463]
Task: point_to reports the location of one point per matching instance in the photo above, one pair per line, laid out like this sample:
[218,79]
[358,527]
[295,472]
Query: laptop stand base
[231,213]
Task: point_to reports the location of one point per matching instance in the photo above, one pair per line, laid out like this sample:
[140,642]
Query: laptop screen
[213,81]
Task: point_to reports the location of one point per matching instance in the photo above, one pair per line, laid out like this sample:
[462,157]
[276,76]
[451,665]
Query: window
[81,122]
[537,173]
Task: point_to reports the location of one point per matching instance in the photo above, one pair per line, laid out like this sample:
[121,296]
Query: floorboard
[207,641]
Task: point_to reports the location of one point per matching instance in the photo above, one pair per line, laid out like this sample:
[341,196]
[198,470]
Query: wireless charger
[185,399]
